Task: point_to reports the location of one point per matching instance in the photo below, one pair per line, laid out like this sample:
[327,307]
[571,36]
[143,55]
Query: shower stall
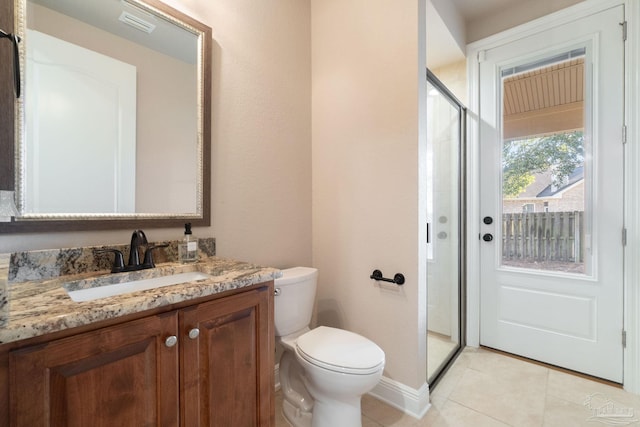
[446,123]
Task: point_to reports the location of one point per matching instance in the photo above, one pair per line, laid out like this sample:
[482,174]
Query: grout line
[482,413]
[546,396]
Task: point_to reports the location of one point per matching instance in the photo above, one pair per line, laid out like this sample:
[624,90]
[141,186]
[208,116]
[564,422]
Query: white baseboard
[408,400]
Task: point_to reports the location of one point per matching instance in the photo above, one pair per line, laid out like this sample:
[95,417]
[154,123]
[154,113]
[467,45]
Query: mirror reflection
[112,111]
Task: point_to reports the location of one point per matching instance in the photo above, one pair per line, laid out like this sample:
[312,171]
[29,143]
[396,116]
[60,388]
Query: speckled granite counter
[38,307]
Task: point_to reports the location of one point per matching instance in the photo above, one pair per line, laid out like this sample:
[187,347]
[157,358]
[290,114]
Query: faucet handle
[148,255]
[118,259]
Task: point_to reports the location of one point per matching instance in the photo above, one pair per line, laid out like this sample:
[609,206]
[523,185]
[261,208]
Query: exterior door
[551,143]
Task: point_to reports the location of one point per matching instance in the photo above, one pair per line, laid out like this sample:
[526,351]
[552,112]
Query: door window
[544,173]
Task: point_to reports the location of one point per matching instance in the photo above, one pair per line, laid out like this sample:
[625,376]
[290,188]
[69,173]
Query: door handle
[487,237]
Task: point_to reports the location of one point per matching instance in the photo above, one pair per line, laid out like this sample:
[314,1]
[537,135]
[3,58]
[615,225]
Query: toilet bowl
[323,371]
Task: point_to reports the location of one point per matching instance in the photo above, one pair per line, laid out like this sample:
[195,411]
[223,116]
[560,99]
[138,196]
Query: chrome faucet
[138,239]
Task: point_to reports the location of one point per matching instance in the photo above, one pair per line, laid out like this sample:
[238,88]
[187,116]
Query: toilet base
[330,414]
[334,413]
[295,416]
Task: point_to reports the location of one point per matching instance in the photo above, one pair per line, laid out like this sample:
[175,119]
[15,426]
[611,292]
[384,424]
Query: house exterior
[542,196]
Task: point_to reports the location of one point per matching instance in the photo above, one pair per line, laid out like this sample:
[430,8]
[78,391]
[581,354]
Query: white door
[551,113]
[80,122]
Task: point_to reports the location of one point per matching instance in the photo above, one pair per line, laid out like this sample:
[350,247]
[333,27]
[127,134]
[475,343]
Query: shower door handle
[428,232]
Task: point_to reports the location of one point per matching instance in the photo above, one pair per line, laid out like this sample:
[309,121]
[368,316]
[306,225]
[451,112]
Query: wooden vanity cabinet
[219,371]
[227,371]
[120,375]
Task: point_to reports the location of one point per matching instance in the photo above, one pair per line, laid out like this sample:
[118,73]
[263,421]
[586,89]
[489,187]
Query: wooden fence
[543,236]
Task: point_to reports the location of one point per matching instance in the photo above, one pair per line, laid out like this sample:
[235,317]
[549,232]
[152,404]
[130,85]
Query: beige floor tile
[430,417]
[437,402]
[505,367]
[561,413]
[577,390]
[574,388]
[518,400]
[405,421]
[455,415]
[488,389]
[439,349]
[280,419]
[451,378]
[384,414]
[466,356]
[368,422]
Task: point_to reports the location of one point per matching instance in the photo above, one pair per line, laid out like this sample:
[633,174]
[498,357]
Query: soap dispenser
[188,247]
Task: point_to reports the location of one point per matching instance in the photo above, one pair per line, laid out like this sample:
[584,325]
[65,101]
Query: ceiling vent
[136,22]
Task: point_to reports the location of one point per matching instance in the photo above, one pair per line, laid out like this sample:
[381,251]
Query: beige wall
[454,77]
[261,144]
[368,123]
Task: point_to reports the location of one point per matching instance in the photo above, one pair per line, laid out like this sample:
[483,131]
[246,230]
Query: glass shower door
[445,247]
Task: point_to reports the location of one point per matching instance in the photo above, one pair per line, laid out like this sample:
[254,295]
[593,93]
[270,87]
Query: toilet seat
[340,351]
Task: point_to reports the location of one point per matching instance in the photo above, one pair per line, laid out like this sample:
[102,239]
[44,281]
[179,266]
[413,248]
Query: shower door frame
[462,228]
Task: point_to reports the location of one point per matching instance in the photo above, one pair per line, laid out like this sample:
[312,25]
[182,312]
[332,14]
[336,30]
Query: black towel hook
[16,59]
[398,279]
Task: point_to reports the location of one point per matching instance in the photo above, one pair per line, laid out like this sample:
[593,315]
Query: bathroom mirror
[113,127]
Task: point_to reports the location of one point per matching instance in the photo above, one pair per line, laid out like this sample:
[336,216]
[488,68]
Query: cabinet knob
[171,341]
[194,333]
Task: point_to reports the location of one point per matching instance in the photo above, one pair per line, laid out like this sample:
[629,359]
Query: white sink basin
[98,292]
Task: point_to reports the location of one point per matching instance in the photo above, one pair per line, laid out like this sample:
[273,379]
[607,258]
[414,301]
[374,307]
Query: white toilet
[325,371]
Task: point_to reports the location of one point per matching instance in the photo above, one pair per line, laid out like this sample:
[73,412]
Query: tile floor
[439,349]
[488,389]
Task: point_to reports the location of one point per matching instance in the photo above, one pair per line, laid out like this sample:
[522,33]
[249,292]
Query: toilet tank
[295,294]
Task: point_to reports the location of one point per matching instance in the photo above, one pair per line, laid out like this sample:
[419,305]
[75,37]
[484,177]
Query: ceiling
[443,15]
[474,9]
[451,24]
[166,36]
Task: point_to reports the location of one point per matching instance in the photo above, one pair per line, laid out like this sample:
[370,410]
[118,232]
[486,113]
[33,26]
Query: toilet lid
[340,351]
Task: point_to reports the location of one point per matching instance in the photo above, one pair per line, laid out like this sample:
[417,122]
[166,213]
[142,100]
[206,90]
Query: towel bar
[398,279]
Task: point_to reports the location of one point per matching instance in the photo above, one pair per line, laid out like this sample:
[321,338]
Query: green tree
[561,153]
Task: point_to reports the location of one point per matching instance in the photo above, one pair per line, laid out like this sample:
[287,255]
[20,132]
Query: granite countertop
[39,307]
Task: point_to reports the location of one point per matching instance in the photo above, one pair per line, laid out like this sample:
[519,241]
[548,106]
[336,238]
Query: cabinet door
[227,371]
[123,375]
